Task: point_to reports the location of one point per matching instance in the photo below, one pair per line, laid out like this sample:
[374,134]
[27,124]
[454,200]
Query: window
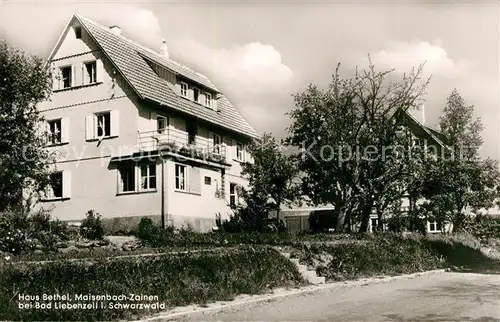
[217,141]
[180,177]
[233,194]
[90,73]
[56,185]
[148,176]
[161,124]
[55,134]
[208,181]
[66,74]
[192,131]
[184,89]
[208,99]
[196,94]
[434,226]
[103,125]
[374,224]
[127,177]
[240,151]
[78,32]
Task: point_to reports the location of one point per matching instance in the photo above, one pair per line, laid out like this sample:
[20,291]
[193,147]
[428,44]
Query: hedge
[393,254]
[178,279]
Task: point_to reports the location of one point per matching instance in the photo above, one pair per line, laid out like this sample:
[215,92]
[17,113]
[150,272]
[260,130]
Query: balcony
[182,144]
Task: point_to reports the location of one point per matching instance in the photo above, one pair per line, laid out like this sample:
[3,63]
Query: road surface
[434,297]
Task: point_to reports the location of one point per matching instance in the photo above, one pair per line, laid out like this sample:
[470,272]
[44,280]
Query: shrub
[179,279]
[13,239]
[22,232]
[92,227]
[393,253]
[483,227]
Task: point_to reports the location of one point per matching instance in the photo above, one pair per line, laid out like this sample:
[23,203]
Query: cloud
[252,75]
[252,68]
[20,22]
[402,56]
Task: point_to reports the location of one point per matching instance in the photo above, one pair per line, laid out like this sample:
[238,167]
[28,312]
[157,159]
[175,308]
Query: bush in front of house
[25,232]
[483,227]
[178,279]
[91,227]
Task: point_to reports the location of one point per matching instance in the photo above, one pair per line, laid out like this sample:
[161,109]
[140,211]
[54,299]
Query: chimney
[164,48]
[116,29]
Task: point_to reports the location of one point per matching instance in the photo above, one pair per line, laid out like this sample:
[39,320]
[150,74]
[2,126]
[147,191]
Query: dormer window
[196,94]
[208,100]
[184,89]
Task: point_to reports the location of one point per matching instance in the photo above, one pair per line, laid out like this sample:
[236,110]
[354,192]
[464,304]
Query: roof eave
[109,58]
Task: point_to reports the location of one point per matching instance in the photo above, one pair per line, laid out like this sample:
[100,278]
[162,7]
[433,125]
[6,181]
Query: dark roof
[129,58]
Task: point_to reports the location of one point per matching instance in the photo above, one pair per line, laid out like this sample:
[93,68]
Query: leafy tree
[24,82]
[460,179]
[272,174]
[354,148]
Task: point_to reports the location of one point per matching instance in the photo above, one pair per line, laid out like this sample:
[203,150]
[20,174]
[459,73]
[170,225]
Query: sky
[260,53]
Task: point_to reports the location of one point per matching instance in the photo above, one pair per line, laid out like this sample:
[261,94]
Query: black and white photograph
[248,160]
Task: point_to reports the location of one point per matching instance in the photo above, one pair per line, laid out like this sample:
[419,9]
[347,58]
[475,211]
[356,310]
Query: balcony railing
[181,143]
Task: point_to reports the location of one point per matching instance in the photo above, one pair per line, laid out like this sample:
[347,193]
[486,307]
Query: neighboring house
[137,134]
[296,218]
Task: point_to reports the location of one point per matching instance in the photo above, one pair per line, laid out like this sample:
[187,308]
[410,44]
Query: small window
[208,181]
[184,89]
[66,74]
[55,136]
[161,124]
[233,194]
[196,94]
[374,224]
[90,73]
[217,141]
[434,226]
[56,185]
[240,151]
[180,177]
[208,99]
[78,32]
[148,176]
[103,125]
[127,177]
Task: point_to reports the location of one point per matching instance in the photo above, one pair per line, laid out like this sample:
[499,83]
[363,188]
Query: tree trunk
[340,220]
[365,216]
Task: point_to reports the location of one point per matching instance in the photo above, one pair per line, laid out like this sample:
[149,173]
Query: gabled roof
[429,131]
[129,59]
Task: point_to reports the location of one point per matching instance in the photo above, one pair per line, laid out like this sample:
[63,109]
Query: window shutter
[194,180]
[65,130]
[99,70]
[210,140]
[66,183]
[55,80]
[83,75]
[73,75]
[115,123]
[234,150]
[89,127]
